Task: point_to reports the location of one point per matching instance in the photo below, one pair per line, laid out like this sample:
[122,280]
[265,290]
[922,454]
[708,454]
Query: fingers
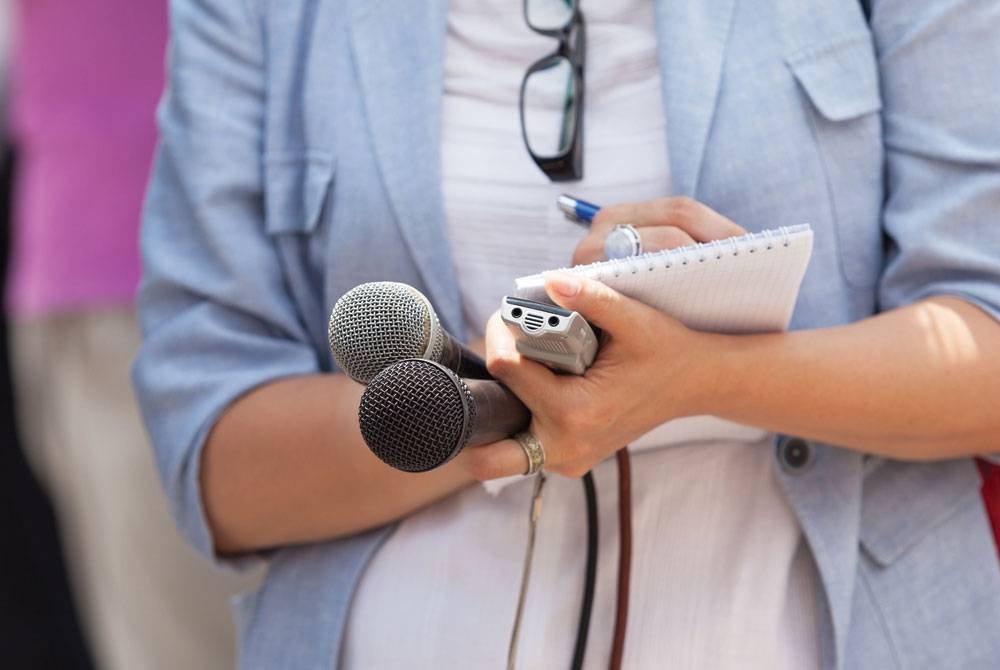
[598,303]
[507,458]
[700,222]
[590,249]
[493,461]
[478,347]
[498,335]
[665,223]
[532,382]
[653,238]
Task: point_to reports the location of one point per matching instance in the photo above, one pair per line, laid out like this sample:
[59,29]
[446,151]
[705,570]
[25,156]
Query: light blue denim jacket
[300,157]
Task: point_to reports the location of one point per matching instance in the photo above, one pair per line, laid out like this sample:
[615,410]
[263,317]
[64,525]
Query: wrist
[747,375]
[712,374]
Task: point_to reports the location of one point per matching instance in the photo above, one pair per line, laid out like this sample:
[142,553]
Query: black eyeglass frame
[568,164]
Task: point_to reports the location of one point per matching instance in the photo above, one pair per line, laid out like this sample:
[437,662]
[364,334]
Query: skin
[920,382]
[286,464]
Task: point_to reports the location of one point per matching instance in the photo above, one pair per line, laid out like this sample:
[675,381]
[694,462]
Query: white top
[720,576]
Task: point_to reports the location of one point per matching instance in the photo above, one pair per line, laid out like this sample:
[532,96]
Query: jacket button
[794,454]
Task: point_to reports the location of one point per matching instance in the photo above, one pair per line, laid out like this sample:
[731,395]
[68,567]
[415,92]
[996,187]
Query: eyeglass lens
[549,107]
[549,15]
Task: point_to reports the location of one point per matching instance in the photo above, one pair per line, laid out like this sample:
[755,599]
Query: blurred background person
[86,78]
[38,626]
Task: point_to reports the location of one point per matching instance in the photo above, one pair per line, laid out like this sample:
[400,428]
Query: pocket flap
[903,502]
[295,188]
[841,78]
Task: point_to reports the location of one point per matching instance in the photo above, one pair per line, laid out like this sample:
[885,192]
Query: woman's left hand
[631,387]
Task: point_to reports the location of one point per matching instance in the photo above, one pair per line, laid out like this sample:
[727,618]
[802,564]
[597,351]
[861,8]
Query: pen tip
[566,203]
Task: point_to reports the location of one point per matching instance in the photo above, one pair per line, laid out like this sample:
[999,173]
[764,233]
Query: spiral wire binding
[700,252]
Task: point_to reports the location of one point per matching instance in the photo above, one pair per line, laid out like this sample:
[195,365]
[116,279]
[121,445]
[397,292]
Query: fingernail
[563,284]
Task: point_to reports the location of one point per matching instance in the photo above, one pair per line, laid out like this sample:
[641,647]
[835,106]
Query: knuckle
[575,471]
[500,363]
[605,217]
[588,250]
[573,468]
[662,208]
[674,237]
[570,469]
[612,214]
[561,470]
[602,300]
[685,209]
[685,204]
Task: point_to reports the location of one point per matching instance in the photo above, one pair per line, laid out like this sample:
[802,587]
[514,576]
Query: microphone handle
[499,414]
[461,360]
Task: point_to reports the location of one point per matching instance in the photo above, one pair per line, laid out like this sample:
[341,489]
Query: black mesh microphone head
[416,415]
[380,323]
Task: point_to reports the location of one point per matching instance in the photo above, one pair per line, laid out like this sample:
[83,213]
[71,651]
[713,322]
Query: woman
[308,147]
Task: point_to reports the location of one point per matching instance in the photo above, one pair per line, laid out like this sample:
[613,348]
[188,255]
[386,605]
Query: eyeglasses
[552,91]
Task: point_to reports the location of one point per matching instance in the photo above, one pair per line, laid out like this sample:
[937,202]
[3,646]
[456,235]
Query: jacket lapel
[398,47]
[399,52]
[692,38]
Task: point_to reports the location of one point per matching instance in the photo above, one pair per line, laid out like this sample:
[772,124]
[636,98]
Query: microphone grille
[377,324]
[415,415]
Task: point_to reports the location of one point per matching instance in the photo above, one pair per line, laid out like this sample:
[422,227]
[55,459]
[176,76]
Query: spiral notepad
[745,284]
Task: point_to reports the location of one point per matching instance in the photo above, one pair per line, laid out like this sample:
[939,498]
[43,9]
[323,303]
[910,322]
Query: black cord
[590,574]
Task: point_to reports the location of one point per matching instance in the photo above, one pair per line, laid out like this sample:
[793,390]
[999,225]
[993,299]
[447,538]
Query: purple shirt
[86,79]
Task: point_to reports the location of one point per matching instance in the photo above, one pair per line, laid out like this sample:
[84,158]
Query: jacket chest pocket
[840,83]
[297,187]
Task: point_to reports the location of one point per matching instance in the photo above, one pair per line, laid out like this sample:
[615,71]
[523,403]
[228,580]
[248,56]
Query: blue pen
[577,211]
[622,242]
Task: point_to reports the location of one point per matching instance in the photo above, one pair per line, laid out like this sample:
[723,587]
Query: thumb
[600,304]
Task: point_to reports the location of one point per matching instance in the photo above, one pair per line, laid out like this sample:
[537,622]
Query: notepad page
[746,284]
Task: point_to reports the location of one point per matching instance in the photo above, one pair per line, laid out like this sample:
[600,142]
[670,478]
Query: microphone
[417,415]
[377,324]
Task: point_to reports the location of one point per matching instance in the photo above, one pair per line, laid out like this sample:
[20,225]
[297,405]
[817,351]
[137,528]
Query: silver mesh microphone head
[377,324]
[416,415]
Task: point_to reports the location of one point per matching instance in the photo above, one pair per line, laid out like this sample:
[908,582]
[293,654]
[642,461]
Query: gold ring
[533,450]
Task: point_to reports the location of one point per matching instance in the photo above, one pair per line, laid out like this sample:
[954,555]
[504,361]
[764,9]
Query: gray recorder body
[557,337]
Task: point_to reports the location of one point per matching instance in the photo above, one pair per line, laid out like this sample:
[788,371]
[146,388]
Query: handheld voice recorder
[557,337]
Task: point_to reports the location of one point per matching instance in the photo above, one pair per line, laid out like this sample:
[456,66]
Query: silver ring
[623,241]
[533,450]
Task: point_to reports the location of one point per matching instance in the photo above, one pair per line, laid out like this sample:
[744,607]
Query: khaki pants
[147,601]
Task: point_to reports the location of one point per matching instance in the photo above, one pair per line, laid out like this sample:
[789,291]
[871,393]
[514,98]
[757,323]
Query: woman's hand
[664,223]
[631,387]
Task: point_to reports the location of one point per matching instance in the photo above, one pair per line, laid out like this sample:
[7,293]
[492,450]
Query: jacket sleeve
[939,62]
[216,318]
